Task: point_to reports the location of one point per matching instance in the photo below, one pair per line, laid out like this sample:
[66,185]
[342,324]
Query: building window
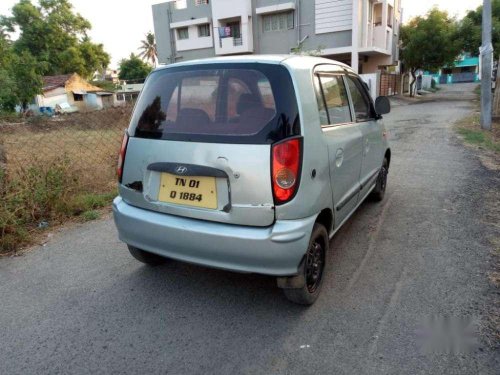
[200,2]
[77,97]
[277,21]
[389,15]
[204,30]
[182,33]
[180,4]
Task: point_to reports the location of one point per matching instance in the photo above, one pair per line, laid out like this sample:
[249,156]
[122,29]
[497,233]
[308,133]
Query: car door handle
[339,157]
[367,146]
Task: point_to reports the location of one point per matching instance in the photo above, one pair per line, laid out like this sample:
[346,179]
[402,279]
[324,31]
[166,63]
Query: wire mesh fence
[86,143]
[54,168]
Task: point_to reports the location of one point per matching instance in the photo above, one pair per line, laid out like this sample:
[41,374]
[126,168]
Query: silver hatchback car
[250,164]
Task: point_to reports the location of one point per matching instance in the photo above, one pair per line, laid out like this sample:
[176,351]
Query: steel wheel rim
[315,262]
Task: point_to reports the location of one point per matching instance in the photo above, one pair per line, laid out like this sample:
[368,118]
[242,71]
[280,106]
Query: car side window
[323,117]
[333,103]
[360,102]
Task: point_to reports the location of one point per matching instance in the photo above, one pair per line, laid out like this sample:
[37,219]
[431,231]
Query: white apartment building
[361,33]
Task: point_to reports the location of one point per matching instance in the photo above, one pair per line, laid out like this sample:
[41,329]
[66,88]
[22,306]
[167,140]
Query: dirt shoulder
[486,146]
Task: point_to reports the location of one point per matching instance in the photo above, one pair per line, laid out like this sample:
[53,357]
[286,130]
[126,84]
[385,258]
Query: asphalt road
[81,304]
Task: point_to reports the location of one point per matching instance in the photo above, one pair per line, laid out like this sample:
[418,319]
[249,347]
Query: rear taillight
[285,169]
[121,157]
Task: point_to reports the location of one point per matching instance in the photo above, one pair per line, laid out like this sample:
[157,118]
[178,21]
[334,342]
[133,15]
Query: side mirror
[382,105]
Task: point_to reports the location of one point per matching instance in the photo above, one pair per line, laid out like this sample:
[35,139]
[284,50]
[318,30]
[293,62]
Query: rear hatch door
[200,141]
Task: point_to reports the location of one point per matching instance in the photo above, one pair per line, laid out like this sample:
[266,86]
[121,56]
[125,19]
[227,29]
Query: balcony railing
[224,33]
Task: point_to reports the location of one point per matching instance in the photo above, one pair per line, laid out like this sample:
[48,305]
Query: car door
[344,140]
[366,119]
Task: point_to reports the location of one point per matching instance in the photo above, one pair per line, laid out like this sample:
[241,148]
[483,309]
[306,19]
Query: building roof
[52,82]
[71,82]
[468,61]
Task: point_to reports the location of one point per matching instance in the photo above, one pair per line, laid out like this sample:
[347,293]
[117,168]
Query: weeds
[52,169]
[477,90]
[471,132]
[90,215]
[479,138]
[43,193]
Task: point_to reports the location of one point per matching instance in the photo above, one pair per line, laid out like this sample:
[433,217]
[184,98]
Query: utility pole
[486,66]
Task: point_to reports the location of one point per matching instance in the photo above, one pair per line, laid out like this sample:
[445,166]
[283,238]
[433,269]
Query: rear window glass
[217,104]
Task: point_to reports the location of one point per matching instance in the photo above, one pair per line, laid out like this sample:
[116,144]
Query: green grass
[90,215]
[10,117]
[479,138]
[86,202]
[477,90]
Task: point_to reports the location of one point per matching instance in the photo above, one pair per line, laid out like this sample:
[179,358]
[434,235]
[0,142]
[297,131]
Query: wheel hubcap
[314,266]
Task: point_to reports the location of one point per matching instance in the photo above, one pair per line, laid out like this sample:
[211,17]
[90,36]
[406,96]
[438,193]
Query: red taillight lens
[285,169]
[121,157]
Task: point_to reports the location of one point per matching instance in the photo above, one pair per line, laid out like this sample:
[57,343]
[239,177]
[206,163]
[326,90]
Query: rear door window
[333,102]
[211,104]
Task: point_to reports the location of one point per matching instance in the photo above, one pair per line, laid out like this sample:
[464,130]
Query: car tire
[146,257]
[379,192]
[314,268]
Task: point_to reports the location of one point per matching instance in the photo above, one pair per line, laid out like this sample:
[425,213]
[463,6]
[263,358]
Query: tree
[133,68]
[27,75]
[55,35]
[429,43]
[105,85]
[300,50]
[148,49]
[469,30]
[8,98]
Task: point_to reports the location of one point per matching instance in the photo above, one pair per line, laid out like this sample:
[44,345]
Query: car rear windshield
[222,103]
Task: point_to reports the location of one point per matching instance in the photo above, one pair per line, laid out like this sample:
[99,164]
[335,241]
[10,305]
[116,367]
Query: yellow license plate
[197,191]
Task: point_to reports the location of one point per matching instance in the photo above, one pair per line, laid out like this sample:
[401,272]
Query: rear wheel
[314,267]
[146,257]
[379,192]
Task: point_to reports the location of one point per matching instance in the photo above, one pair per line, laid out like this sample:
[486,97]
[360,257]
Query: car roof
[291,61]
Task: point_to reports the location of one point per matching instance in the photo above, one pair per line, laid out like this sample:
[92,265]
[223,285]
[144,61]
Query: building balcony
[232,39]
[381,38]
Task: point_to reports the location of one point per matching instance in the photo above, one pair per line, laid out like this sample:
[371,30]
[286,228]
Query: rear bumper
[276,250]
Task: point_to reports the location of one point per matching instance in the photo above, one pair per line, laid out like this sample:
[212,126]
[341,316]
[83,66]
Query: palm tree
[148,48]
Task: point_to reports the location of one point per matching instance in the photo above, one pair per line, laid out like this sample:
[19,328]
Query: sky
[121,24]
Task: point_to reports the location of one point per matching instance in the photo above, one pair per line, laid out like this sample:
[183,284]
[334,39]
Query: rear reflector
[121,157]
[285,169]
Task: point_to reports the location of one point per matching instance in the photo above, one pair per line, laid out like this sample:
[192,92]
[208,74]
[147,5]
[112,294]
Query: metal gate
[390,84]
[463,77]
[406,83]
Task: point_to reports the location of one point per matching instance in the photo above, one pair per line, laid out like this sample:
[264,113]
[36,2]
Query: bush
[9,117]
[90,215]
[56,168]
[43,192]
[31,196]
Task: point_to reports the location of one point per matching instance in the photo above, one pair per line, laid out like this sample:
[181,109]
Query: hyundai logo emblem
[181,169]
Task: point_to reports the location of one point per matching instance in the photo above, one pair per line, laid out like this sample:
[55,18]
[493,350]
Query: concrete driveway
[81,304]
